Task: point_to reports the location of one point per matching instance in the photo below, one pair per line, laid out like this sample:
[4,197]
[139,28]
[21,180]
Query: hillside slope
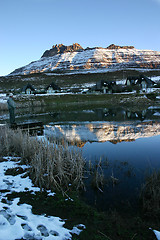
[75,59]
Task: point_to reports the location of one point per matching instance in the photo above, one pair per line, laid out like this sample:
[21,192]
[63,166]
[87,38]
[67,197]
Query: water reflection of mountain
[120,140]
[103,131]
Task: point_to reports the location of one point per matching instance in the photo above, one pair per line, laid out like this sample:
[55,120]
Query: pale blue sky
[29,27]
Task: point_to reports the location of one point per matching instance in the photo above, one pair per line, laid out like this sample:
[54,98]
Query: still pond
[121,145]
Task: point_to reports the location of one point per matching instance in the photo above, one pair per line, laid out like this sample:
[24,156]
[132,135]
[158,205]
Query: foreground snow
[18,221]
[157,233]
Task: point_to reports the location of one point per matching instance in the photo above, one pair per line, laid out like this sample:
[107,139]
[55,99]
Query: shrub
[117,88]
[151,96]
[128,88]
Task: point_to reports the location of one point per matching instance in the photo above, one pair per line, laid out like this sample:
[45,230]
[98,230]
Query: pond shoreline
[74,100]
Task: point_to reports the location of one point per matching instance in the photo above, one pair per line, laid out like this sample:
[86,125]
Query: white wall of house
[128,83]
[144,84]
[105,89]
[50,90]
[28,91]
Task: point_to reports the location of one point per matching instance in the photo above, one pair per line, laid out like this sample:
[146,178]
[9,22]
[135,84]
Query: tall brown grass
[150,194]
[52,165]
[97,175]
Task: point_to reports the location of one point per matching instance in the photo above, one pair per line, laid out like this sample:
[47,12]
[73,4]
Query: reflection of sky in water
[142,156]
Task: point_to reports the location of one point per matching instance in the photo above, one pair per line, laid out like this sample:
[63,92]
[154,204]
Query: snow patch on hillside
[98,59]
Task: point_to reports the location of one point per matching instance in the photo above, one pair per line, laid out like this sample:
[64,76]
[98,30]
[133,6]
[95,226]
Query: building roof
[146,79]
[28,86]
[54,86]
[139,79]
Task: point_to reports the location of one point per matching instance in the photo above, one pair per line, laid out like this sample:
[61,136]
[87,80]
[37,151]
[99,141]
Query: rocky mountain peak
[60,48]
[75,47]
[95,59]
[113,46]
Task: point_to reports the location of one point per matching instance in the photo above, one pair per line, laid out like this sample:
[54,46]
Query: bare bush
[52,165]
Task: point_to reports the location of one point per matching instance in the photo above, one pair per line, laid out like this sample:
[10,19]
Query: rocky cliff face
[112,46]
[58,49]
[75,59]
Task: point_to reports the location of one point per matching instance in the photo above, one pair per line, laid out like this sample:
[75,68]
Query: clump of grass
[57,166]
[150,194]
[52,165]
[97,175]
[16,143]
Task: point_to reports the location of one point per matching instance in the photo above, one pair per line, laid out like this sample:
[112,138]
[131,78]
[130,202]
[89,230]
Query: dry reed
[57,166]
[150,194]
[97,175]
[52,165]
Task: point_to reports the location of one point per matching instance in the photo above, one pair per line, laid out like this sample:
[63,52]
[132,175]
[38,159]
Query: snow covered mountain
[75,59]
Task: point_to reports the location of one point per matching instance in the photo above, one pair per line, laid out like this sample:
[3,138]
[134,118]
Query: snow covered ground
[157,233]
[18,221]
[3,98]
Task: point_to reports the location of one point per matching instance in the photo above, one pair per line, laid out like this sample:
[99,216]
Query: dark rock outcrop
[113,46]
[58,49]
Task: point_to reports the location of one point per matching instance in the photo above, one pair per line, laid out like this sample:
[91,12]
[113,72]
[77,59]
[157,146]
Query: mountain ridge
[60,48]
[75,47]
[75,59]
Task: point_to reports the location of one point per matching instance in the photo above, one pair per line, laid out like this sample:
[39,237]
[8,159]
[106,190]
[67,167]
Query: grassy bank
[72,101]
